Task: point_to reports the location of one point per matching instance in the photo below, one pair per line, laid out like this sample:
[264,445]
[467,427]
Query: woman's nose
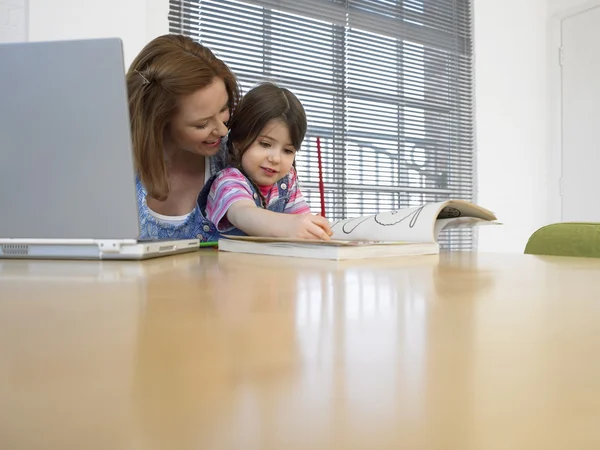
[221,129]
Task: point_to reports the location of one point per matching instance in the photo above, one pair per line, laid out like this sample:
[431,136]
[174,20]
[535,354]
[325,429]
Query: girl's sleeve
[229,187]
[296,204]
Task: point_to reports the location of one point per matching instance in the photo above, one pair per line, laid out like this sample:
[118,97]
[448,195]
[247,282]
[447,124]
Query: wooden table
[223,351]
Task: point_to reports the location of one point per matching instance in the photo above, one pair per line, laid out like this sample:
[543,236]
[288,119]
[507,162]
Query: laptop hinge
[109,246]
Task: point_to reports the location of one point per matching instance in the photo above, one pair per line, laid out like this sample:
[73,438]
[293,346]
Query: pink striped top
[231,186]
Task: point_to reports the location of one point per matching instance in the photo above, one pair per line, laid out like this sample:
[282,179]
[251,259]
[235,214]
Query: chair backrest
[566,239]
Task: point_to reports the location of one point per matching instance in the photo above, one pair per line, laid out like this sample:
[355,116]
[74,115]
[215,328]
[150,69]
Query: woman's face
[199,123]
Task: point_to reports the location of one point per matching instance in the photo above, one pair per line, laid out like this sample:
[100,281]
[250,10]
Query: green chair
[566,239]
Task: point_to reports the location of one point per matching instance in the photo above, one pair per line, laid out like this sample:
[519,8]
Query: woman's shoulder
[141,193]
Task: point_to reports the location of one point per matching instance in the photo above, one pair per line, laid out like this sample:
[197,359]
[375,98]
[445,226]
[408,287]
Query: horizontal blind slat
[387,85]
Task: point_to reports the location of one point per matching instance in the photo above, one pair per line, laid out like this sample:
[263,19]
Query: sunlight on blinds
[387,86]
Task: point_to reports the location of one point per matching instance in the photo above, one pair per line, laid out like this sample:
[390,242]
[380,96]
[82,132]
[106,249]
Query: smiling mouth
[270,171]
[215,142]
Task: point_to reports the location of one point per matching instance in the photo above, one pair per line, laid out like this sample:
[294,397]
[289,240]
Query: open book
[409,231]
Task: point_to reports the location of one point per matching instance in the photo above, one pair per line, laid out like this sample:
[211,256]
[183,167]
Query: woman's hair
[258,107]
[168,68]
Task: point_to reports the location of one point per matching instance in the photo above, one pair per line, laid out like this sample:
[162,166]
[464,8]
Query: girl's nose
[274,156]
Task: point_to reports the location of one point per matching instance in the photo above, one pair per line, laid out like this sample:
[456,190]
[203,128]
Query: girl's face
[270,157]
[199,123]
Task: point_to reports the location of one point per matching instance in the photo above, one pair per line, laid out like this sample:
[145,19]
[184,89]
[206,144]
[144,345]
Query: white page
[417,224]
[409,225]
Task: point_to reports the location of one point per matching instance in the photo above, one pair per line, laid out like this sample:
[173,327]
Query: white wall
[134,21]
[511,119]
[518,116]
[557,8]
[13,20]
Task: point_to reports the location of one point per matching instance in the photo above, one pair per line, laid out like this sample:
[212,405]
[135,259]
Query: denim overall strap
[283,187]
[209,230]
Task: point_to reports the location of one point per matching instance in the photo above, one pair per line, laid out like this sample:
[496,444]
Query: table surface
[218,351]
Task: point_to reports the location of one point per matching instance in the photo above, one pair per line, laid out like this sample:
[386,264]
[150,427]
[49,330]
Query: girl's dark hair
[258,107]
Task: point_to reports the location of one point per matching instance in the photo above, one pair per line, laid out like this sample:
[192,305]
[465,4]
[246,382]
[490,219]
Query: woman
[180,100]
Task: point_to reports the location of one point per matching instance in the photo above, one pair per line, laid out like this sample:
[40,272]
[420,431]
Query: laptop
[67,178]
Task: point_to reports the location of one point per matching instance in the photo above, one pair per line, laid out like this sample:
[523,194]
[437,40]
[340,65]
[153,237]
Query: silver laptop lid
[66,167]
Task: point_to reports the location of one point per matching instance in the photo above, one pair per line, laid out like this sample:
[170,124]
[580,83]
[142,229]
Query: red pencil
[321,185]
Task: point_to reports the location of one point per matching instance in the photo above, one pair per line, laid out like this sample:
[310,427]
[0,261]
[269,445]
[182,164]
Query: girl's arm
[255,221]
[230,204]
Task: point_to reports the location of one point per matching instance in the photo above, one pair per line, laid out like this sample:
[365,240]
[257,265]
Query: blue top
[196,226]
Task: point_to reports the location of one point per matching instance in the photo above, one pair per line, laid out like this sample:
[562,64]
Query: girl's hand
[308,226]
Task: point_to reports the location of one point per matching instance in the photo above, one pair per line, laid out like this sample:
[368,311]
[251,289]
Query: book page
[462,208]
[332,243]
[460,222]
[417,224]
[405,225]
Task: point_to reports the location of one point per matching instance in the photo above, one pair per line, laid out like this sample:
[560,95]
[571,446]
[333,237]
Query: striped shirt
[231,186]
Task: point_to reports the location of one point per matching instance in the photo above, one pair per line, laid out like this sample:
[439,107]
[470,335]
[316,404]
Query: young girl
[258,193]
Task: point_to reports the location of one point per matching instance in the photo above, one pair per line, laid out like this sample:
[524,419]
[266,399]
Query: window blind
[387,86]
